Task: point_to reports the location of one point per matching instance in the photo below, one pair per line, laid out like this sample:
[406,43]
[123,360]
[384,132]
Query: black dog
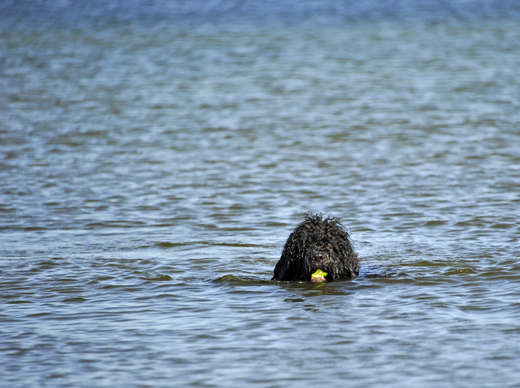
[317,244]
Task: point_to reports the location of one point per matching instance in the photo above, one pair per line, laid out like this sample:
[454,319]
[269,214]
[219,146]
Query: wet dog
[318,244]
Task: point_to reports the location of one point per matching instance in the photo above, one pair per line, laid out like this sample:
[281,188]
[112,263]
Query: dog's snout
[319,256]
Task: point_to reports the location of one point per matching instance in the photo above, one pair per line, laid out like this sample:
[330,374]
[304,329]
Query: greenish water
[152,166]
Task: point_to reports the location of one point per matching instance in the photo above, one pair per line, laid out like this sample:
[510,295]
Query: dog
[318,243]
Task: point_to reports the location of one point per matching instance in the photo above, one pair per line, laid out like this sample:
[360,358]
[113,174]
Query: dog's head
[317,244]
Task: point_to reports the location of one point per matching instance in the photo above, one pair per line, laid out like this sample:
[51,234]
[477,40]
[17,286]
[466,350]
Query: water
[155,156]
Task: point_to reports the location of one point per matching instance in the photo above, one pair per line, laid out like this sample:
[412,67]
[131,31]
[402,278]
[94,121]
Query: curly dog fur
[317,243]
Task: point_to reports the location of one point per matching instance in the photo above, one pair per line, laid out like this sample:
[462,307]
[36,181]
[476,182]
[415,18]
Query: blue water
[155,156]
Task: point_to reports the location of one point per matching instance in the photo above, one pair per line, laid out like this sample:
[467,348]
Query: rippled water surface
[152,166]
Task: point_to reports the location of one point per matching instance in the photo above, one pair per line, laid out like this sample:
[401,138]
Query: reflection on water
[154,158]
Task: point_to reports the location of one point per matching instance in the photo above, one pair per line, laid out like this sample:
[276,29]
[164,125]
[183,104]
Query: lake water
[155,156]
